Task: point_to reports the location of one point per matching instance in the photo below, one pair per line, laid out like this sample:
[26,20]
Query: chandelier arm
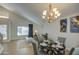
[51,14]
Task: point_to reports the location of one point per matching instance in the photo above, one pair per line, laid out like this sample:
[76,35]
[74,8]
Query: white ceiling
[33,11]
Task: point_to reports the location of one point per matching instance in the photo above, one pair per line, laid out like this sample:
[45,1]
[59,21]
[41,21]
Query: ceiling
[33,11]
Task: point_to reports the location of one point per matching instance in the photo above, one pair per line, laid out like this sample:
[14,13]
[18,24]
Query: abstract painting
[63,25]
[74,24]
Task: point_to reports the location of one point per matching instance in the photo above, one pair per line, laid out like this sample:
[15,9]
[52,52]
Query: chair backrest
[76,51]
[34,48]
[61,40]
[40,38]
[35,45]
[71,51]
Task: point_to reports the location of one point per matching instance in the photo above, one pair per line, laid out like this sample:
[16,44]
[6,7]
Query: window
[21,30]
[3,31]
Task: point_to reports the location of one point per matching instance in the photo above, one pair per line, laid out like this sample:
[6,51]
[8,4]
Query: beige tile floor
[17,47]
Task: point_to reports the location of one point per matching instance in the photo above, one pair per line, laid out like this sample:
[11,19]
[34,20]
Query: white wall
[12,22]
[53,29]
[39,28]
[3,21]
[16,20]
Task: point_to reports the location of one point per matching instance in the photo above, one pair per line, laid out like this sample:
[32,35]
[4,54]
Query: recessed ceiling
[33,11]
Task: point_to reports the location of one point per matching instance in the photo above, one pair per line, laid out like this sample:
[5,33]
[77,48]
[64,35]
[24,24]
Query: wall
[12,22]
[53,29]
[16,20]
[39,28]
[3,21]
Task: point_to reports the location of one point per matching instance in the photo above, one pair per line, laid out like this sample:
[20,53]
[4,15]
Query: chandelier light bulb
[44,12]
[54,9]
[56,12]
[43,17]
[55,16]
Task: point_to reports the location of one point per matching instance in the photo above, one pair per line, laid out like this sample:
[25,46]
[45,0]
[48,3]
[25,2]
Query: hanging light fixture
[50,14]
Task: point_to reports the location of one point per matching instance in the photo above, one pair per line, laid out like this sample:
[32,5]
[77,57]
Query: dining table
[56,48]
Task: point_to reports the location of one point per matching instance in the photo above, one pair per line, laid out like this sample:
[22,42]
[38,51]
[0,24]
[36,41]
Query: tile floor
[17,47]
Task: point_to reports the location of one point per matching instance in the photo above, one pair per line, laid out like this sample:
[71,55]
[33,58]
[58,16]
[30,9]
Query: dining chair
[62,40]
[74,51]
[34,48]
[71,51]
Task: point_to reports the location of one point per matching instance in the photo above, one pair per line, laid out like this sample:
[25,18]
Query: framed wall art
[63,25]
[74,24]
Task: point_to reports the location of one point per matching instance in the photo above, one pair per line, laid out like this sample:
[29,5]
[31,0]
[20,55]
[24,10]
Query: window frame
[22,33]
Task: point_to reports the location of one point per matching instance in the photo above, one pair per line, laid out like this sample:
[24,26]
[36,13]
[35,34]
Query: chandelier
[50,14]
